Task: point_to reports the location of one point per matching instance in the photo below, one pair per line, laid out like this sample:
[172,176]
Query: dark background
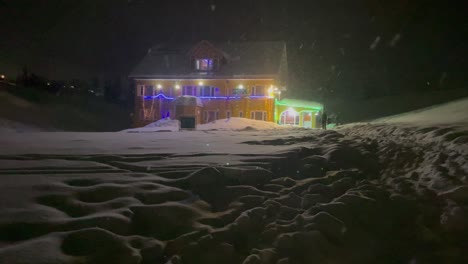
[336,48]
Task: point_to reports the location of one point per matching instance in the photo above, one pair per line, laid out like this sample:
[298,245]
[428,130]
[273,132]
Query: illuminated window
[207,91]
[239,91]
[289,117]
[204,64]
[258,115]
[258,91]
[189,90]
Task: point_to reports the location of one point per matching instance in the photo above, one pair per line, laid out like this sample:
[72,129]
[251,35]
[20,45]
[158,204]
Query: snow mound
[167,122]
[162,125]
[239,124]
[455,112]
[230,124]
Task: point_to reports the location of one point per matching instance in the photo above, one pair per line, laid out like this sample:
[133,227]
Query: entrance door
[307,119]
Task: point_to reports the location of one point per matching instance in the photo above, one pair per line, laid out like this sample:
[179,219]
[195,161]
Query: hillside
[29,108]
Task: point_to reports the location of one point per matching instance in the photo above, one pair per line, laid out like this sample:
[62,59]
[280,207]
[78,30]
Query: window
[228,114]
[149,90]
[241,114]
[189,90]
[258,115]
[239,91]
[207,91]
[258,91]
[289,118]
[140,90]
[204,64]
[210,116]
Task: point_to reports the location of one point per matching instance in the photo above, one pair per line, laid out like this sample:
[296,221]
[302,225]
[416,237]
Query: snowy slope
[449,113]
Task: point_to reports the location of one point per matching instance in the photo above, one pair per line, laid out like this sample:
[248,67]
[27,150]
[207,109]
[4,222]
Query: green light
[298,103]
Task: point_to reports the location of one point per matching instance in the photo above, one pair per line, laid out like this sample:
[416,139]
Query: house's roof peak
[242,58]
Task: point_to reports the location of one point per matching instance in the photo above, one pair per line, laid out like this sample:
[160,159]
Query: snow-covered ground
[230,124]
[390,191]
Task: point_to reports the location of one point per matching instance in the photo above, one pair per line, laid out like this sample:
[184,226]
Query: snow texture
[382,192]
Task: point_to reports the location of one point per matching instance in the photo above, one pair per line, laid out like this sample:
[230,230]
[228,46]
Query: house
[202,82]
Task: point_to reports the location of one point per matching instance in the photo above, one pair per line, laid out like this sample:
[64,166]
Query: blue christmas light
[159,95]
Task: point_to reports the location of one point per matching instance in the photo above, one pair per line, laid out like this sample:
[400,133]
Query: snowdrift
[237,123]
[230,124]
[162,125]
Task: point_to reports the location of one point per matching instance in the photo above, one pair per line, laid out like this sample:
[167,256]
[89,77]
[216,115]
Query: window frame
[140,90]
[212,91]
[253,113]
[193,89]
[253,91]
[208,67]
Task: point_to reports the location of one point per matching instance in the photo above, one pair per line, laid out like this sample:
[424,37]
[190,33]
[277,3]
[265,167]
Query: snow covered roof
[188,100]
[243,59]
[300,103]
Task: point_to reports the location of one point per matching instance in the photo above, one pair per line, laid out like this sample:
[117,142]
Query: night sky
[333,46]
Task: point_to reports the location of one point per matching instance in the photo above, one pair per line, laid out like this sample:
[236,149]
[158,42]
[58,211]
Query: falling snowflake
[395,40]
[342,50]
[375,43]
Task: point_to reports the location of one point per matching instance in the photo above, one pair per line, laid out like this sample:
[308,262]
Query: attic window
[204,64]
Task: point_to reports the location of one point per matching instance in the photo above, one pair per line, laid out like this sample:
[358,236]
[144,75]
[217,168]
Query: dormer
[204,57]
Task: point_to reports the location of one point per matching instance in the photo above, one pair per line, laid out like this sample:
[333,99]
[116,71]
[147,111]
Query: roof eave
[185,76]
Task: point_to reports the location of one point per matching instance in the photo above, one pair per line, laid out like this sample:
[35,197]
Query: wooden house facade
[226,80]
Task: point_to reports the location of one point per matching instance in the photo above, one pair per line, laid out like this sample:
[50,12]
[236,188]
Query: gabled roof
[244,59]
